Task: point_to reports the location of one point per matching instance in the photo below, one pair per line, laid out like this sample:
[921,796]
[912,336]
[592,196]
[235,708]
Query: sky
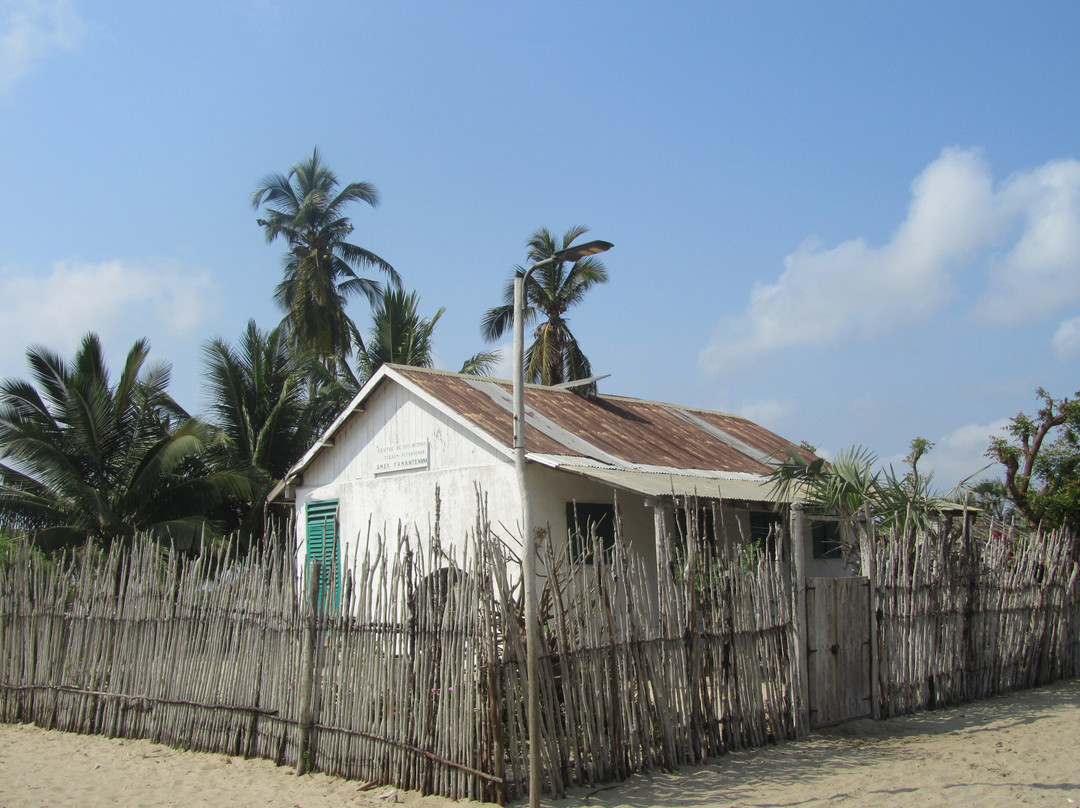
[854,223]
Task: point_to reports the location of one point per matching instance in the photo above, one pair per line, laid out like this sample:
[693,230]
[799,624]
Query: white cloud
[1067,338]
[769,413]
[120,302]
[31,30]
[962,453]
[1039,273]
[956,217]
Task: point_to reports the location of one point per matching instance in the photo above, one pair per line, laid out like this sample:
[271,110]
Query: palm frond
[481,364]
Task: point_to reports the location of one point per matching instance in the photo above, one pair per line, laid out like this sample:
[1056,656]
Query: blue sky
[855,223]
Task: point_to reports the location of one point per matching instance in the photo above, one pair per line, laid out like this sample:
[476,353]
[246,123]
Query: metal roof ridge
[735,443]
[652,402]
[545,425]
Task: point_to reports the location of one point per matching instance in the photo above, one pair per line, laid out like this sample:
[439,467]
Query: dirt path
[1022,749]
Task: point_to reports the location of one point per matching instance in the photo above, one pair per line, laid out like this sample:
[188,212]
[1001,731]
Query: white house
[410,430]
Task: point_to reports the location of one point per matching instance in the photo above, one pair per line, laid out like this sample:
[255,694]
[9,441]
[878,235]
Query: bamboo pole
[307,668]
[868,555]
[798,546]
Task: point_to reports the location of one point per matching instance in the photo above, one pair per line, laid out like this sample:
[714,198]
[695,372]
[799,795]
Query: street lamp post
[532,640]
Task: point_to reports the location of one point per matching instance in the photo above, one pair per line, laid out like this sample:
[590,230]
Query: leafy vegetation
[270,401]
[554,356]
[853,484]
[1041,457]
[87,459]
[399,335]
[305,208]
[84,459]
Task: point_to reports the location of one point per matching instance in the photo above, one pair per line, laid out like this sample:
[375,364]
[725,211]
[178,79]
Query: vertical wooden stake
[868,555]
[798,546]
[692,636]
[663,572]
[307,667]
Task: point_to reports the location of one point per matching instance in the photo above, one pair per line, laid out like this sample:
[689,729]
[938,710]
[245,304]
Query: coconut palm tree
[306,208]
[258,398]
[269,401]
[554,356]
[83,458]
[399,335]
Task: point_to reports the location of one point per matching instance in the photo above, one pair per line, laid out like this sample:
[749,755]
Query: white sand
[1022,749]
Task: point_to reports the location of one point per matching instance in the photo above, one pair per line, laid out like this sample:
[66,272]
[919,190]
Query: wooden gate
[838,649]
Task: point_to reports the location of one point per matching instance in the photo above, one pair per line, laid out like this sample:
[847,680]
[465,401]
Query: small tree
[1041,457]
[850,484]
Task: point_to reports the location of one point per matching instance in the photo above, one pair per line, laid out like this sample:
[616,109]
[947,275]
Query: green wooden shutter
[322,545]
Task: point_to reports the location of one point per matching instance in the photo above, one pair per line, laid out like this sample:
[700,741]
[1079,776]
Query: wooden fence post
[798,546]
[307,667]
[868,556]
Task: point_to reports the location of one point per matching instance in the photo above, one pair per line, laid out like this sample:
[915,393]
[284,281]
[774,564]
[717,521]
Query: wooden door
[838,649]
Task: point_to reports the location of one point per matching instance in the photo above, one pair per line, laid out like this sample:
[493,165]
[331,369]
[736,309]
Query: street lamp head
[580,251]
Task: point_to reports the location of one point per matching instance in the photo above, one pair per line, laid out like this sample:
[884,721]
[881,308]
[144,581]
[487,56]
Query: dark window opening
[827,540]
[583,521]
[764,527]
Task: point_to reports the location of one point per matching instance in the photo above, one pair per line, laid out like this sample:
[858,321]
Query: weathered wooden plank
[838,625]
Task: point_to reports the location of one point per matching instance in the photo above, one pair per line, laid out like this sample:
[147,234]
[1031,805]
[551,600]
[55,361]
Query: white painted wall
[374,504]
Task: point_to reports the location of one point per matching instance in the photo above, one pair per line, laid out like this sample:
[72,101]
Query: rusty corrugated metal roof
[645,446]
[634,431]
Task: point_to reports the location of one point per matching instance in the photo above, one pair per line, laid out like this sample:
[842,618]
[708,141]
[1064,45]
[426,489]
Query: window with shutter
[322,546]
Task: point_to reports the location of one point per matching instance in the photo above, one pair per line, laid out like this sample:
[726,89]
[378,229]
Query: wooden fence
[959,618]
[418,678]
[643,684]
[141,643]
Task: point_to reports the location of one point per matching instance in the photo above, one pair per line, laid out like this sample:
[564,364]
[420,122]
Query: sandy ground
[1022,749]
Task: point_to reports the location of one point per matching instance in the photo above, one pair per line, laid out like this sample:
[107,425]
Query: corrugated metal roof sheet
[653,484]
[639,445]
[631,431]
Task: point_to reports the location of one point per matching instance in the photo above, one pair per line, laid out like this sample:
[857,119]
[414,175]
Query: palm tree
[851,484]
[87,459]
[843,487]
[991,497]
[258,393]
[269,401]
[399,335]
[554,356]
[306,209]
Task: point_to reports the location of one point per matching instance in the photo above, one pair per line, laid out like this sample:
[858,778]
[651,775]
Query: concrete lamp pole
[532,640]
